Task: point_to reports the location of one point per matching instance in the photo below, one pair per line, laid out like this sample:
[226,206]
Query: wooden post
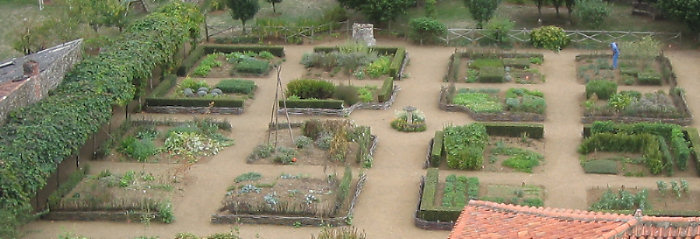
[41,5]
[206,27]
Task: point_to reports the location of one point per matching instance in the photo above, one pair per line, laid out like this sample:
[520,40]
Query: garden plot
[169,142]
[187,95]
[129,196]
[670,198]
[636,149]
[238,63]
[605,102]
[515,104]
[320,97]
[489,147]
[316,142]
[631,71]
[492,67]
[354,61]
[441,203]
[290,199]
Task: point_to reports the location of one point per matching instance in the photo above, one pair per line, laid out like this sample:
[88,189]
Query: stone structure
[28,79]
[363,33]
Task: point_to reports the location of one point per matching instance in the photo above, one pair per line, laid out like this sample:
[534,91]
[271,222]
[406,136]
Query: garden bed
[355,61]
[516,104]
[166,141]
[318,142]
[318,97]
[630,71]
[440,204]
[220,61]
[670,201]
[203,96]
[636,149]
[292,200]
[495,67]
[488,147]
[130,196]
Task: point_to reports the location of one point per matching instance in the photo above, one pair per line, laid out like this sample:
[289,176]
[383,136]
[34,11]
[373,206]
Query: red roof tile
[481,219]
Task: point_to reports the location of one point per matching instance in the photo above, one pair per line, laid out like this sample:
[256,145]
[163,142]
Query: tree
[273,4]
[378,11]
[481,10]
[243,10]
[97,13]
[687,11]
[592,13]
[557,4]
[426,29]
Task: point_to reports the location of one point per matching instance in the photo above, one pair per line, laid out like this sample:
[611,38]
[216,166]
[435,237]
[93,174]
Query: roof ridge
[559,213]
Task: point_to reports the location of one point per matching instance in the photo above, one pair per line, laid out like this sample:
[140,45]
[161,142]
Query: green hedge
[189,62]
[213,48]
[386,90]
[649,78]
[38,137]
[313,103]
[535,131]
[194,102]
[236,86]
[399,53]
[602,88]
[169,81]
[430,188]
[492,54]
[436,152]
[427,210]
[492,75]
[601,166]
[517,62]
[694,139]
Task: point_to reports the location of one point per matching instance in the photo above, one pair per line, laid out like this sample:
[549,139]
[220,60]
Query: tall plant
[243,10]
[482,10]
[591,13]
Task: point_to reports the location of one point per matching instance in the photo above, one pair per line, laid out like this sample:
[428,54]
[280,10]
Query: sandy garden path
[388,202]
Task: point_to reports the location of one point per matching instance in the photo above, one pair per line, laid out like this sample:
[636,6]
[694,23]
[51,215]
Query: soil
[614,75]
[689,201]
[311,154]
[519,75]
[388,201]
[225,70]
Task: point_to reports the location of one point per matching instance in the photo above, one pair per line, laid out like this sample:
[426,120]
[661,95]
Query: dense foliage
[592,13]
[424,29]
[549,37]
[465,146]
[379,11]
[684,10]
[36,138]
[243,10]
[308,88]
[481,10]
[603,89]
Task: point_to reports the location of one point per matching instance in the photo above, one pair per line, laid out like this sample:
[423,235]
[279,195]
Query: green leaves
[481,10]
[549,37]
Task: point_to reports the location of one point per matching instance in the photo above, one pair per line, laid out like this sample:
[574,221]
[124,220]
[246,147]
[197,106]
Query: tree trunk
[539,11]
[243,27]
[273,7]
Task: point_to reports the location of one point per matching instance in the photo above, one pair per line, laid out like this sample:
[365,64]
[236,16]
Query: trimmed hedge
[517,62]
[535,131]
[428,210]
[601,166]
[492,75]
[168,82]
[430,188]
[213,48]
[236,86]
[437,150]
[694,139]
[313,103]
[189,62]
[195,102]
[387,89]
[649,77]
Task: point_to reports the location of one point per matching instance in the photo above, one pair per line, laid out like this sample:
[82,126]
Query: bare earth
[388,202]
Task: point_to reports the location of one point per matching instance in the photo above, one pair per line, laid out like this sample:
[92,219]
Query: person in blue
[616,54]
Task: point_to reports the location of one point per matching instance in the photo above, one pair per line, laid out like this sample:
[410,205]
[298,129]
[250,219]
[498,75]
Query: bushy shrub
[591,13]
[308,88]
[498,29]
[465,146]
[549,37]
[302,142]
[189,83]
[253,66]
[324,141]
[139,149]
[261,151]
[236,86]
[347,94]
[424,29]
[284,155]
[379,67]
[602,88]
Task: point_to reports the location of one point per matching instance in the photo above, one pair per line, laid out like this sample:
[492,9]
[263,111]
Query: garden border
[346,111]
[397,66]
[155,103]
[101,215]
[503,116]
[453,65]
[293,221]
[197,53]
[425,224]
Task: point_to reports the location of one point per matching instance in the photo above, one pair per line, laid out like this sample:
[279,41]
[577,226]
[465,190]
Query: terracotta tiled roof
[481,219]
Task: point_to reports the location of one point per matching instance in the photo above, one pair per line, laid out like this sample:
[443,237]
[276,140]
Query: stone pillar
[363,33]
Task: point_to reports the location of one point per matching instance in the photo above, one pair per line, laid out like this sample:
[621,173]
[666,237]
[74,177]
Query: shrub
[649,77]
[498,29]
[191,84]
[491,75]
[302,142]
[324,141]
[253,66]
[602,88]
[347,94]
[312,128]
[165,212]
[308,88]
[284,155]
[425,29]
[236,86]
[139,149]
[261,151]
[622,200]
[366,94]
[591,13]
[387,89]
[465,146]
[549,37]
[266,55]
[312,103]
[437,149]
[601,166]
[379,67]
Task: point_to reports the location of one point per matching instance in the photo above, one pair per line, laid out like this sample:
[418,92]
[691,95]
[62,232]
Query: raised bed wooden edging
[344,111]
[503,116]
[425,224]
[115,216]
[293,221]
[194,110]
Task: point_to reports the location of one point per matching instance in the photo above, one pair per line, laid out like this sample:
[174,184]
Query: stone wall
[35,88]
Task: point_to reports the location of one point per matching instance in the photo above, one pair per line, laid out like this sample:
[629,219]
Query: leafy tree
[498,28]
[378,11]
[687,11]
[430,8]
[97,13]
[243,10]
[273,4]
[557,4]
[592,13]
[481,10]
[426,29]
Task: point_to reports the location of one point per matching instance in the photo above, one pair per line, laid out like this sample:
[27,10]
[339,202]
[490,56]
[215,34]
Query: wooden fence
[287,33]
[461,36]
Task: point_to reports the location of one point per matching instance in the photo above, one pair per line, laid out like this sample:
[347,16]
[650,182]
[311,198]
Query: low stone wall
[291,220]
[345,111]
[115,216]
[503,116]
[194,110]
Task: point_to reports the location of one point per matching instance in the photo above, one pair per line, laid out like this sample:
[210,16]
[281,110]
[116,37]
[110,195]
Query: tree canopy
[243,10]
[687,11]
[378,11]
[481,10]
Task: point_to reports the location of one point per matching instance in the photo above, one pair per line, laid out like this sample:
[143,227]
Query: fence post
[312,34]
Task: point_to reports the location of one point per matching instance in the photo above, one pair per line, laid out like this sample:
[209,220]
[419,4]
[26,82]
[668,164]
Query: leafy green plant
[308,88]
[236,86]
[165,212]
[676,188]
[622,200]
[207,64]
[465,145]
[302,141]
[249,176]
[602,88]
[478,102]
[266,55]
[379,67]
[339,233]
[252,66]
[284,155]
[425,29]
[191,84]
[661,186]
[549,37]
